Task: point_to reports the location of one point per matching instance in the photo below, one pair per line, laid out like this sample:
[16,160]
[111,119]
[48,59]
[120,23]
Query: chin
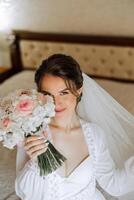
[65,114]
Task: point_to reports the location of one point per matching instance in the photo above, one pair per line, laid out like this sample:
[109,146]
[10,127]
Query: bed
[109,60]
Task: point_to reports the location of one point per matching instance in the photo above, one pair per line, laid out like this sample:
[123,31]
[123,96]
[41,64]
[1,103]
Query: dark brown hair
[63,66]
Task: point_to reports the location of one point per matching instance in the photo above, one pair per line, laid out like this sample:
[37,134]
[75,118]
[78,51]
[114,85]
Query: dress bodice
[80,183]
[77,180]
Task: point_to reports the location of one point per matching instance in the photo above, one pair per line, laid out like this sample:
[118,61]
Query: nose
[57,101]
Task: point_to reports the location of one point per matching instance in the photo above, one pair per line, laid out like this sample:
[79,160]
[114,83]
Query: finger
[32,138]
[38,147]
[39,152]
[35,143]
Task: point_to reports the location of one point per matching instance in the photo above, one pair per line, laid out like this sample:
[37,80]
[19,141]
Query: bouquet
[24,113]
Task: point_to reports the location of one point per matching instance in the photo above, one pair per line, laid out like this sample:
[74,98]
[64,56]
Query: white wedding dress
[81,183]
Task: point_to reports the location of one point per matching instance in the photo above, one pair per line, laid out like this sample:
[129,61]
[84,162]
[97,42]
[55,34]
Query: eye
[64,93]
[45,93]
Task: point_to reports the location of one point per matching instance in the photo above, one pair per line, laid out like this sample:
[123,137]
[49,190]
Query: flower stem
[51,160]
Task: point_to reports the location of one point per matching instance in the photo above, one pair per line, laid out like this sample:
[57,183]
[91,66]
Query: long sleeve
[116,182]
[21,158]
[28,184]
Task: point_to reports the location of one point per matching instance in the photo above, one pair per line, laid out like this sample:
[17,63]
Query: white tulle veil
[100,107]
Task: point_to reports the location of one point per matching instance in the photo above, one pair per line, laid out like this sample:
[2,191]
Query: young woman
[91,151]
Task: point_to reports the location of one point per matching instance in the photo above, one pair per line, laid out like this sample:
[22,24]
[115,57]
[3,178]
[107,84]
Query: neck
[67,123]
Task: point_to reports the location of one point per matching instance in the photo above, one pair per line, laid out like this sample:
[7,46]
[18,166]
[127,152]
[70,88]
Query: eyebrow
[46,92]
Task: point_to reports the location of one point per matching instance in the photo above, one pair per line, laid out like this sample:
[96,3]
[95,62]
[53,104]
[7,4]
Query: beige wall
[106,17]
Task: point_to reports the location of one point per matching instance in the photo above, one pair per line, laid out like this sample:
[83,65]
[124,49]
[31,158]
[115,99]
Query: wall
[113,17]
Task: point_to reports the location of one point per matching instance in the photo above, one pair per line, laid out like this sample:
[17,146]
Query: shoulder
[96,131]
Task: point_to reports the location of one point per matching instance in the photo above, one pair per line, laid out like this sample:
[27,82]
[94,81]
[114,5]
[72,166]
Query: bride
[93,131]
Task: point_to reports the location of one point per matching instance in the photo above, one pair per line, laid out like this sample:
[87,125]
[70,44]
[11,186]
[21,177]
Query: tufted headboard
[99,56]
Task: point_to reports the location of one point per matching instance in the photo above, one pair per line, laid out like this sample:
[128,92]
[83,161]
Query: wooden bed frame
[18,36]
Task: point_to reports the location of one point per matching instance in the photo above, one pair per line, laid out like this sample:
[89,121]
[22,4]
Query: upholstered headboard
[99,56]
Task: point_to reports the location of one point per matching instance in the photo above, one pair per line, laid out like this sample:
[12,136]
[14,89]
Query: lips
[59,110]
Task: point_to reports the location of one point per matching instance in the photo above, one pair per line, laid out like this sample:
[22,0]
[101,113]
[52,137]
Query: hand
[35,145]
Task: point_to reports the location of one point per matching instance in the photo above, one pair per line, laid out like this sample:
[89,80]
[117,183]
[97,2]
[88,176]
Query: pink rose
[25,106]
[5,122]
